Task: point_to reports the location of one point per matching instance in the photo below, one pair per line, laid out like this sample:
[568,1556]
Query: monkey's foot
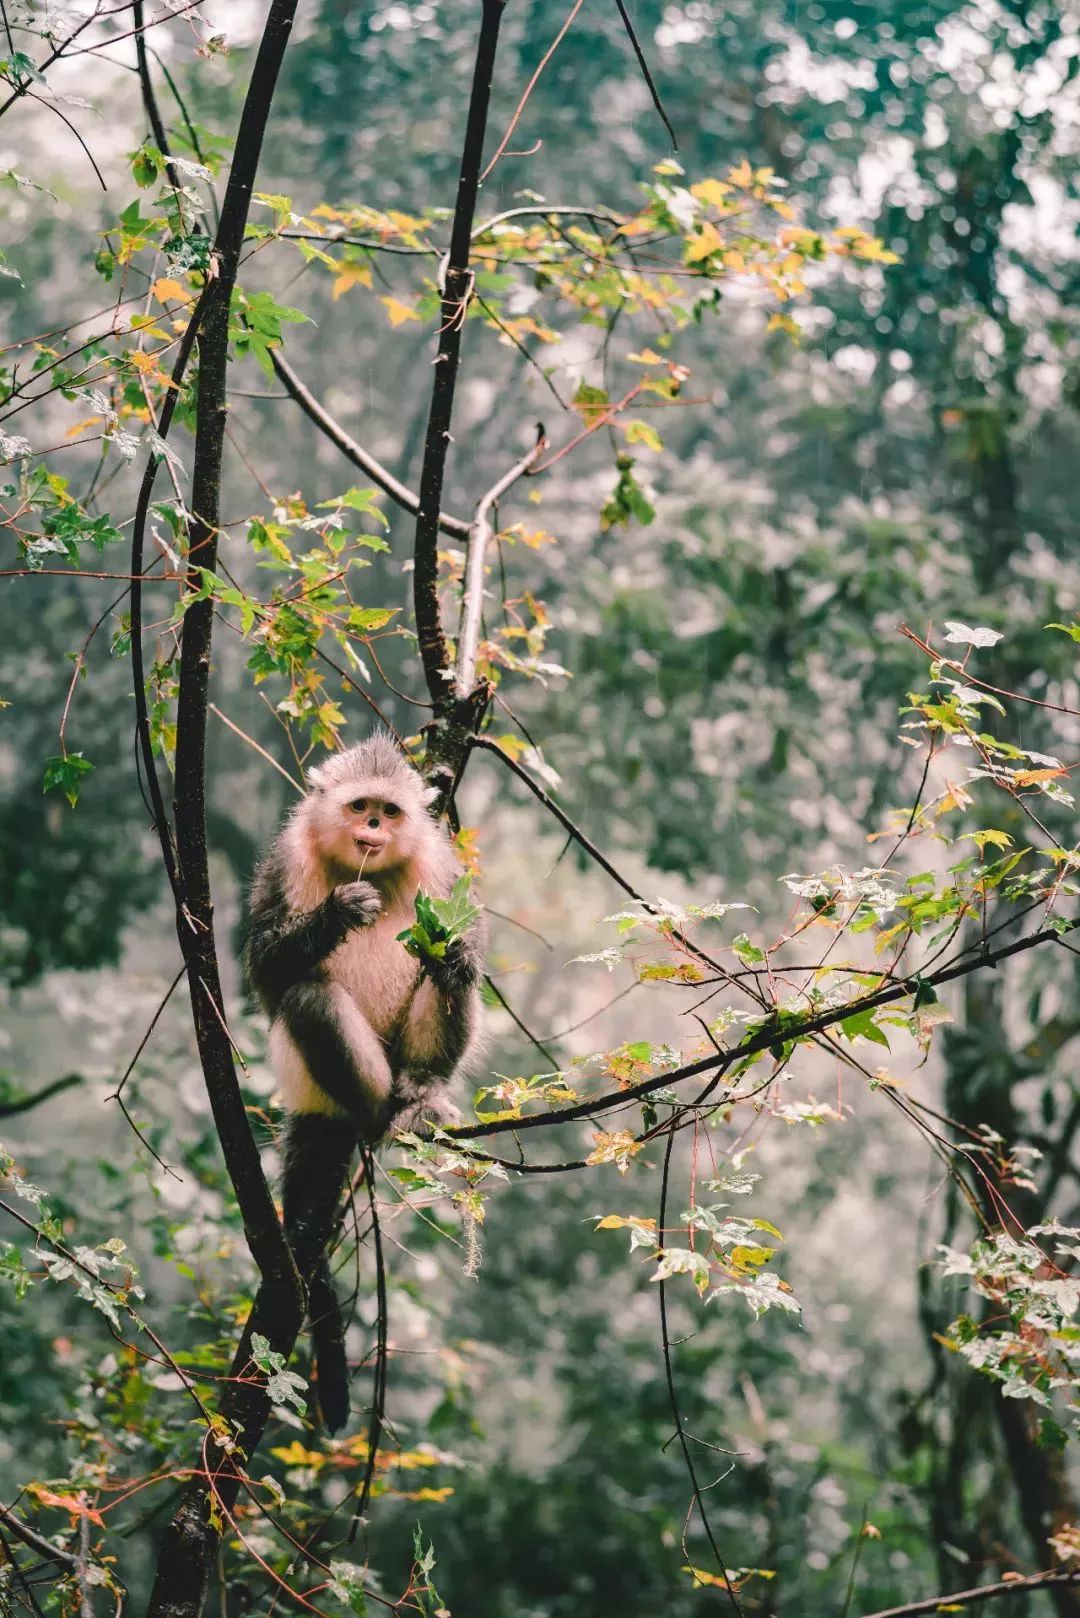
[417,1110]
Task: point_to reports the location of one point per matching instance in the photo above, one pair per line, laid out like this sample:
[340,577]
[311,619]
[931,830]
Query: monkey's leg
[341,1051]
[317,1151]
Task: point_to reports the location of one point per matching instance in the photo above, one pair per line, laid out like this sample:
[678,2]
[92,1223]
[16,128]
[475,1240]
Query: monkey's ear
[316,777]
[428,796]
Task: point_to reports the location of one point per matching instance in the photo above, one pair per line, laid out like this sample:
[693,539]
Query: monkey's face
[370,825]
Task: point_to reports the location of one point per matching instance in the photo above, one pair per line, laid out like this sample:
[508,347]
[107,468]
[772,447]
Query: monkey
[364,1038]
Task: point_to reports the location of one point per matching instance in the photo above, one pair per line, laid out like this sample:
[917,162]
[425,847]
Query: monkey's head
[367,809]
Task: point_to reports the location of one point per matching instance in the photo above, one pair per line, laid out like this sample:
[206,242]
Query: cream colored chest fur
[377,972]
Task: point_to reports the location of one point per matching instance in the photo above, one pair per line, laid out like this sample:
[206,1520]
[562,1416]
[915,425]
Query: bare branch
[973,961]
[11,1109]
[353,451]
[480,535]
[531,86]
[35,1541]
[984,1592]
[646,75]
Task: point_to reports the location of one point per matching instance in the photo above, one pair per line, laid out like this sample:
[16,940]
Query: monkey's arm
[285,946]
[442,1012]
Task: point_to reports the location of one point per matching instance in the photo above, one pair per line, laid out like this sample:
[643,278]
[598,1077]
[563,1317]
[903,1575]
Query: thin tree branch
[11,1109]
[591,849]
[762,1041]
[353,451]
[531,86]
[480,535]
[516,1020]
[153,112]
[646,75]
[673,1397]
[35,1541]
[985,1592]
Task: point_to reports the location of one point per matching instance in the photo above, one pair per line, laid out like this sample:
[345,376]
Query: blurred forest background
[731,716]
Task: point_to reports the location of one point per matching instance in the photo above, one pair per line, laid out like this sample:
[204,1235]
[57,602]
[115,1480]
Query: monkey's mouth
[374,844]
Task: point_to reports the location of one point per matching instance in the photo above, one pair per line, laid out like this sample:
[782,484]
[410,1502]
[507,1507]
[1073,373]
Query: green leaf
[440,922]
[146,164]
[642,432]
[365,619]
[283,1387]
[861,1025]
[65,773]
[347,1586]
[358,500]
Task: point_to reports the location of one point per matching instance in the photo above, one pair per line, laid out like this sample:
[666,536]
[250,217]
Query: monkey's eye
[358,805]
[391,811]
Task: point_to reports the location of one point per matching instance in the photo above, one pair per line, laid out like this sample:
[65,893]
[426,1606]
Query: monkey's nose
[373,822]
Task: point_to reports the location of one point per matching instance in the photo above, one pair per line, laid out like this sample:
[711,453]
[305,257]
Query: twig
[480,534]
[45,102]
[531,86]
[516,1020]
[762,1041]
[153,112]
[11,1109]
[985,1592]
[269,757]
[669,1370]
[352,450]
[35,1541]
[646,75]
[378,1388]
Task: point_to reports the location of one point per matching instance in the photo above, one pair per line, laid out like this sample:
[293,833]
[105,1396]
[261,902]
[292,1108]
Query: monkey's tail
[317,1152]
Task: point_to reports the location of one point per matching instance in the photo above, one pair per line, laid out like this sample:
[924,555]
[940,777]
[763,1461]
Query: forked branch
[353,451]
[480,536]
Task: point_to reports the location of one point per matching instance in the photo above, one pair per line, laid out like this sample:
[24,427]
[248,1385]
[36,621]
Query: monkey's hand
[358,903]
[453,971]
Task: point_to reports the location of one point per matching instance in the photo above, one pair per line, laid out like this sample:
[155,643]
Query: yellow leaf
[1031,778]
[705,243]
[885,939]
[617,1222]
[742,177]
[399,312]
[65,1502]
[779,322]
[81,426]
[618,1147]
[953,798]
[295,1454]
[351,275]
[167,288]
[713,191]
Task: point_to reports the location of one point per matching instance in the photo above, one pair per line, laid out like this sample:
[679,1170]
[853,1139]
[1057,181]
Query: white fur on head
[374,769]
[377,757]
